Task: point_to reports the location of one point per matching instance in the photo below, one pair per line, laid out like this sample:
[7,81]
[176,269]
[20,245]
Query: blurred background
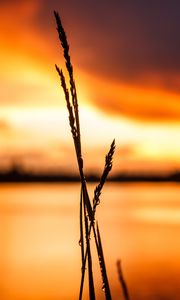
[127,69]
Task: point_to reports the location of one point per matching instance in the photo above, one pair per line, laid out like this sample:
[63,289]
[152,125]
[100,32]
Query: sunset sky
[126,59]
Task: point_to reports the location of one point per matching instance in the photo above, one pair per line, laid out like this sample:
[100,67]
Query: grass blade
[81,241]
[122,281]
[65,46]
[107,169]
[73,109]
[69,106]
[89,212]
[90,272]
[96,201]
[105,286]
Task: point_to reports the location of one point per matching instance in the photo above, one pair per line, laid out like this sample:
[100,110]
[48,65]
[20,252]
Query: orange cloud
[136,102]
[144,90]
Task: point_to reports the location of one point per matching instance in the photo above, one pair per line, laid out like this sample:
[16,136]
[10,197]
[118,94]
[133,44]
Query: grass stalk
[72,108]
[96,201]
[122,281]
[90,271]
[105,281]
[81,240]
[87,210]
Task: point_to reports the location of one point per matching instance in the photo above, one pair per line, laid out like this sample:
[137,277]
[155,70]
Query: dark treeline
[16,175]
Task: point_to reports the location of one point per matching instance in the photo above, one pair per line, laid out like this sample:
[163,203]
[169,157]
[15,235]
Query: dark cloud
[122,39]
[127,41]
[137,43]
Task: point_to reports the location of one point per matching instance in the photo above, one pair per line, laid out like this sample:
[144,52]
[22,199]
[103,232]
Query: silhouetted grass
[87,208]
[122,281]
[96,201]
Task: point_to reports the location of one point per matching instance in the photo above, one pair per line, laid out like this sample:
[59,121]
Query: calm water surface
[39,233]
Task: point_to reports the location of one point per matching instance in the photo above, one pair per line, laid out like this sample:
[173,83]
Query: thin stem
[122,281]
[96,200]
[81,241]
[90,272]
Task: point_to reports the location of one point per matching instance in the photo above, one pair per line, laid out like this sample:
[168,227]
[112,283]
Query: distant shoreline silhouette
[16,175]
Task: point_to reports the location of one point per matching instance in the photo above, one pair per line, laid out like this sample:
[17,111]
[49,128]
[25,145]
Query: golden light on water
[39,234]
[160,216]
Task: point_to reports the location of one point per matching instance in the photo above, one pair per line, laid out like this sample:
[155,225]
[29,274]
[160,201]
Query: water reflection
[158,215]
[39,233]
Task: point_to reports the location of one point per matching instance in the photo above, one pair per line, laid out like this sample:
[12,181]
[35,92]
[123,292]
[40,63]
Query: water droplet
[103,287]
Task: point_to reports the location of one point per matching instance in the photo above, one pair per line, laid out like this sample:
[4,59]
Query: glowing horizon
[142,113]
